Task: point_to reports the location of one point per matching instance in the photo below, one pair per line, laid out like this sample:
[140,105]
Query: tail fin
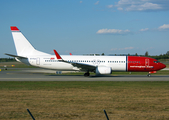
[22,45]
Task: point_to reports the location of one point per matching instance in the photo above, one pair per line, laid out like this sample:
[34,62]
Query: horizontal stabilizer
[16,56]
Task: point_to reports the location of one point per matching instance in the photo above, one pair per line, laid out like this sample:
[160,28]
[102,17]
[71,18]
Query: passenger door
[146,63]
[37,61]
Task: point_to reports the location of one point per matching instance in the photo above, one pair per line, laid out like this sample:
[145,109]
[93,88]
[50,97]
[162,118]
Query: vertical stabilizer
[22,45]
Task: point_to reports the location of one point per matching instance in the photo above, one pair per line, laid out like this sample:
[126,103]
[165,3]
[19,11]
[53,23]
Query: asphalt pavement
[38,75]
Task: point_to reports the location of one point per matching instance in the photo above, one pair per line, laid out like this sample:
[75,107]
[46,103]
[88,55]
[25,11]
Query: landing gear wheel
[87,74]
[149,75]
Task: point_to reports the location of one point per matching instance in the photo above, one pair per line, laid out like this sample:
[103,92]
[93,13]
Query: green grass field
[84,100]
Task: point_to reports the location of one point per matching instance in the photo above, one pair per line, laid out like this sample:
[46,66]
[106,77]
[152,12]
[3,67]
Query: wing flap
[84,66]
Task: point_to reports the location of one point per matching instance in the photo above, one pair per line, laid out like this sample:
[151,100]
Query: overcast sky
[89,26]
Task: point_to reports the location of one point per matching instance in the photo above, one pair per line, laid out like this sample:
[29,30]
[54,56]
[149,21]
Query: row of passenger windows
[75,61]
[88,61]
[123,61]
[116,61]
[85,61]
[133,61]
[51,60]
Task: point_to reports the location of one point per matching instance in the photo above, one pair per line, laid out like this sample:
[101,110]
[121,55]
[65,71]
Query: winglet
[57,55]
[14,28]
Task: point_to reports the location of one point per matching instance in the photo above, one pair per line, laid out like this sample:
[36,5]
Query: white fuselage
[117,63]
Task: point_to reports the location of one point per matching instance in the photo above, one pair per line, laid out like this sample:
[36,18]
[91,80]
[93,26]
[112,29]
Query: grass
[84,100]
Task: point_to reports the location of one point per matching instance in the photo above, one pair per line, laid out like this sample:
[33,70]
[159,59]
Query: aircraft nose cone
[162,65]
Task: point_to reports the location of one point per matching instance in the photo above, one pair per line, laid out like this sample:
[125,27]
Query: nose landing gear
[149,74]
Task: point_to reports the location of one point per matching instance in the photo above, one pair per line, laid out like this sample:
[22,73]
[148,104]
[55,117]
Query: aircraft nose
[162,65]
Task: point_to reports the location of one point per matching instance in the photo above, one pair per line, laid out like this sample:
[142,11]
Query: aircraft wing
[81,66]
[84,67]
[16,56]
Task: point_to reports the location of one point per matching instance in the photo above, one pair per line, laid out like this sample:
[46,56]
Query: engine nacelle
[103,70]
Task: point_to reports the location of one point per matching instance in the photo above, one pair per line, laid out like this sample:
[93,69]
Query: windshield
[156,61]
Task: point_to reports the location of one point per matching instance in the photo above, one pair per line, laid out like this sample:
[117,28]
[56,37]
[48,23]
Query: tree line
[7,60]
[158,57]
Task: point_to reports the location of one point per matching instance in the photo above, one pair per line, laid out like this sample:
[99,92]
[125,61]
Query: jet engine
[103,70]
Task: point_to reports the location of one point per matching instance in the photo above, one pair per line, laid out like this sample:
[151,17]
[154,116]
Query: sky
[87,26]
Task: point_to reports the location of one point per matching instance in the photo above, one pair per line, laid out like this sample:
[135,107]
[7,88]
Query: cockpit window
[156,61]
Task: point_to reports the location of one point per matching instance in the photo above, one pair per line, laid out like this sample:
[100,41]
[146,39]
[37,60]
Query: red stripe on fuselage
[142,64]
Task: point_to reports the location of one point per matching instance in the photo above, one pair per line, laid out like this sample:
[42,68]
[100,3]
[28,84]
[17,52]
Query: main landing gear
[87,74]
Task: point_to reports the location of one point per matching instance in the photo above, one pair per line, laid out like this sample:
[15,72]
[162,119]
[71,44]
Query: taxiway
[33,75]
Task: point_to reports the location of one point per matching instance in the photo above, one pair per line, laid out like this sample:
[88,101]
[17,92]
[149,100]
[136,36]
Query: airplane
[27,54]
